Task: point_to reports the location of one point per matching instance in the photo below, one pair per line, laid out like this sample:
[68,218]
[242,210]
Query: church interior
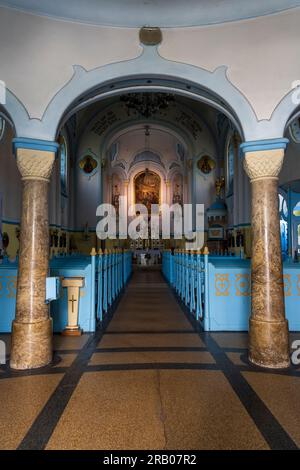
[122,343]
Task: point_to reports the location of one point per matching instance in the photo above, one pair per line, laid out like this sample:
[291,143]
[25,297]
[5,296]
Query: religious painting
[177,189]
[88,164]
[216,233]
[147,189]
[206,164]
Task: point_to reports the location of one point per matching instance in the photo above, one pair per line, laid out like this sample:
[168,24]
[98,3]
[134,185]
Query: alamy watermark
[2,352]
[161,222]
[2,92]
[295,357]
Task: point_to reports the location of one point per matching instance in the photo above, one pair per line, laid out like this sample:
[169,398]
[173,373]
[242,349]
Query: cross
[72,300]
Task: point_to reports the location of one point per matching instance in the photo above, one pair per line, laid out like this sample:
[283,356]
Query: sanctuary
[191,128]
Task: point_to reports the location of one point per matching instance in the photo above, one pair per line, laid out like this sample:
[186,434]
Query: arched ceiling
[189,117]
[162,13]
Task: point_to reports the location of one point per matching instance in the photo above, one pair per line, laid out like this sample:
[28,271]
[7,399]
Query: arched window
[2,127]
[283,214]
[230,154]
[63,151]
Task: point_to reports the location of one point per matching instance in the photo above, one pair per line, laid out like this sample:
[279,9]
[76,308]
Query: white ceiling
[163,13]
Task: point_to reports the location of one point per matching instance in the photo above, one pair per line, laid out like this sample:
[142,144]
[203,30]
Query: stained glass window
[2,127]
[63,164]
[230,167]
[283,214]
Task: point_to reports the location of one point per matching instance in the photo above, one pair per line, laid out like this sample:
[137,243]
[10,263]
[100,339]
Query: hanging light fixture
[146,104]
[147,137]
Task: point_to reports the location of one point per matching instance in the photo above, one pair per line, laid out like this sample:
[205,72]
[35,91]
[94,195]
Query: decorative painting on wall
[216,233]
[206,164]
[147,188]
[88,164]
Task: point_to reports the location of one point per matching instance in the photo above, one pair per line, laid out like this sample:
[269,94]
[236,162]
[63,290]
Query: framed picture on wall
[216,233]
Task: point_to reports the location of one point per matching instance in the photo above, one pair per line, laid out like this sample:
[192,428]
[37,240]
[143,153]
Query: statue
[219,184]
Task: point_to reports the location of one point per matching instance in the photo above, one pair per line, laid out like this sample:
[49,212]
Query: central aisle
[152,384]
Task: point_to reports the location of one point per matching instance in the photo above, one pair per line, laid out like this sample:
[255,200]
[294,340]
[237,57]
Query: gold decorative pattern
[298,284]
[222,285]
[287,285]
[11,286]
[242,285]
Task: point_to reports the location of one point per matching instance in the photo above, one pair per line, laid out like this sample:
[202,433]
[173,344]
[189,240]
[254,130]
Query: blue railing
[217,289]
[105,275]
[113,270]
[186,271]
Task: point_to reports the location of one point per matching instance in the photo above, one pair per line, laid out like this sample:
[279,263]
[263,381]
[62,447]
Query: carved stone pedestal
[73,285]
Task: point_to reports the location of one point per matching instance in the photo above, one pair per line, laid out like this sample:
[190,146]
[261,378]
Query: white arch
[213,88]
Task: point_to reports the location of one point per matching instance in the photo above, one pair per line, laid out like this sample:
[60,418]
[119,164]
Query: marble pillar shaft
[268,328]
[33,253]
[32,327]
[267,279]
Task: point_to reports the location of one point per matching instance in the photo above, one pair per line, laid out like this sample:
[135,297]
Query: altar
[147,257]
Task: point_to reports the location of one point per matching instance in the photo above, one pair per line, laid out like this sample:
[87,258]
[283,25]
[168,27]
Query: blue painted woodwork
[70,267]
[8,285]
[52,289]
[34,144]
[105,276]
[217,289]
[266,144]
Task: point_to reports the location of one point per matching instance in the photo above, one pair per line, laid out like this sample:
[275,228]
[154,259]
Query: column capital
[263,159]
[35,158]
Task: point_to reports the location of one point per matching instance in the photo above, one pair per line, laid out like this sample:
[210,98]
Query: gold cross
[72,300]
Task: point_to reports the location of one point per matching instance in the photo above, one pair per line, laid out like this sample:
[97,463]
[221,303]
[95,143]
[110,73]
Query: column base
[269,344]
[31,345]
[68,331]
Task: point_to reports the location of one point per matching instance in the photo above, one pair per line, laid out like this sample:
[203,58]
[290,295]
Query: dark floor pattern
[150,380]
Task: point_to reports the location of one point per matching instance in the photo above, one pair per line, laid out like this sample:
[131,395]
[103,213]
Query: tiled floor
[151,381]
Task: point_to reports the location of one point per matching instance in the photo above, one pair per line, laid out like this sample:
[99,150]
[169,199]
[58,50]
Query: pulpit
[73,284]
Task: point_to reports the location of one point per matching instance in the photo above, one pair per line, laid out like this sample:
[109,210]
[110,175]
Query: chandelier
[146,104]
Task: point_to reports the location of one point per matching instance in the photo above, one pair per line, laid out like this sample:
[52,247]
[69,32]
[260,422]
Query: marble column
[268,329]
[32,327]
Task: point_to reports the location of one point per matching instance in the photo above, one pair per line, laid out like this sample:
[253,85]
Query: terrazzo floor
[151,380]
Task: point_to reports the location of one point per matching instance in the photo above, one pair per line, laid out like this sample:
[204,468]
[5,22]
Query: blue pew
[105,275]
[217,290]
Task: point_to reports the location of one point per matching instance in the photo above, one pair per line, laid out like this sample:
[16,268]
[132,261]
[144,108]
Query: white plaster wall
[87,191]
[10,180]
[37,54]
[261,54]
[205,192]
